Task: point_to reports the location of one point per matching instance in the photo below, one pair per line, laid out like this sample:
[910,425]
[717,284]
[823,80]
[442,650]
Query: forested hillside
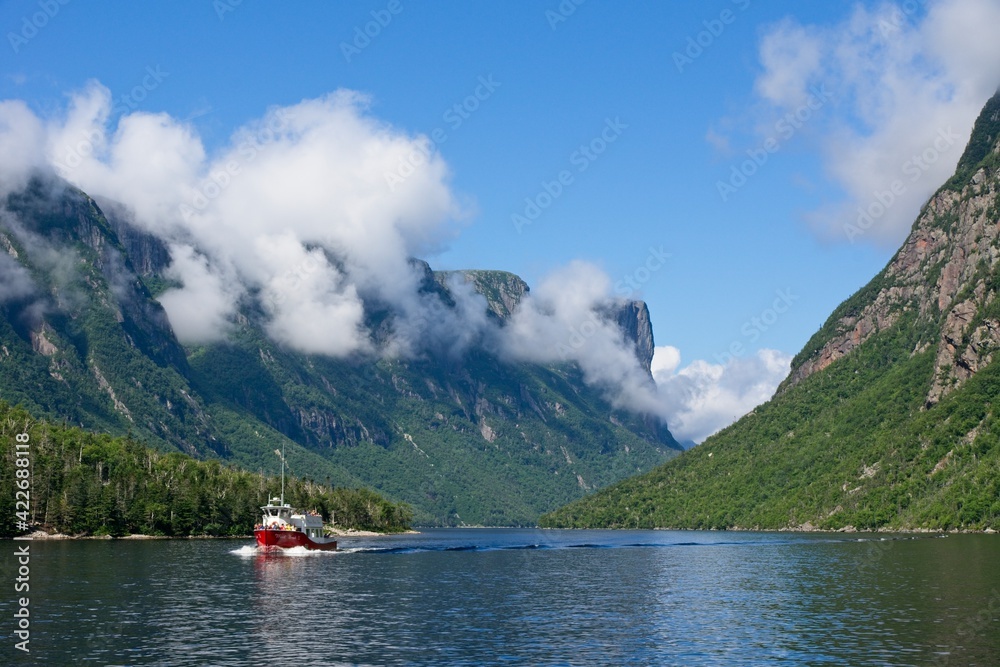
[81,483]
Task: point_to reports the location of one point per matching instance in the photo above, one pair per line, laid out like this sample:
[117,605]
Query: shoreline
[848,530]
[350,532]
[808,528]
[41,535]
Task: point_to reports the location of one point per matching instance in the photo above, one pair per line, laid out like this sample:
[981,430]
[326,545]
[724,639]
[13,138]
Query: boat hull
[289,539]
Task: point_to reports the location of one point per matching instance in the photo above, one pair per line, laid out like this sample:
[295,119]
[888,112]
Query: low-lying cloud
[703,398]
[22,136]
[295,206]
[294,211]
[201,310]
[567,318]
[15,281]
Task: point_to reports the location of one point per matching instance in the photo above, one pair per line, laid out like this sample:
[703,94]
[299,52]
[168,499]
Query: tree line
[83,483]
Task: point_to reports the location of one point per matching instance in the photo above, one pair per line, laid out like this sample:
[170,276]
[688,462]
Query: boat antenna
[281,455]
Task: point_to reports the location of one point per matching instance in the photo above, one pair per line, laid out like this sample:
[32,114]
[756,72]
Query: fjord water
[520,597]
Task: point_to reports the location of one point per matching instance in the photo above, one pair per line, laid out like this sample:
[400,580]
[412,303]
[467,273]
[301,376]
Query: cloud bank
[567,318]
[295,207]
[295,212]
[907,81]
[703,398]
[15,281]
[22,136]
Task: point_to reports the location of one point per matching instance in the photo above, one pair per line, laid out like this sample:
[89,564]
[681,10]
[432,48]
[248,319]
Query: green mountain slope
[463,439]
[479,441]
[888,418]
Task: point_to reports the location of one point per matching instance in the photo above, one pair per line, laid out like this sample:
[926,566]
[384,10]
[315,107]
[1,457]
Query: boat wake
[250,550]
[472,547]
[247,551]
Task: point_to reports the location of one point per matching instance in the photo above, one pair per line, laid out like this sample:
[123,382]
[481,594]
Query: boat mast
[281,455]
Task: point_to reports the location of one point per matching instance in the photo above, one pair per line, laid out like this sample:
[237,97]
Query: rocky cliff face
[147,253]
[85,342]
[946,272]
[503,291]
[633,319]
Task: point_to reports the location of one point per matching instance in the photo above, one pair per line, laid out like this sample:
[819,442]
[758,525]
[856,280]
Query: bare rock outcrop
[946,274]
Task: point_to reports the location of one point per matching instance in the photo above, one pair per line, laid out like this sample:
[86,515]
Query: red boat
[283,528]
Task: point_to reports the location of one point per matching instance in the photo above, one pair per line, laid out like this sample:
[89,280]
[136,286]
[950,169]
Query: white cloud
[200,311]
[148,161]
[429,324]
[315,310]
[566,319]
[22,137]
[303,186]
[790,53]
[15,281]
[703,398]
[719,141]
[297,209]
[906,90]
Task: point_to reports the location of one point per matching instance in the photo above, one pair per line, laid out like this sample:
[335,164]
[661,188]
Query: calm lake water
[517,597]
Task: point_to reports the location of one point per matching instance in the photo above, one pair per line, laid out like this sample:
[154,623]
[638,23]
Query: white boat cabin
[278,516]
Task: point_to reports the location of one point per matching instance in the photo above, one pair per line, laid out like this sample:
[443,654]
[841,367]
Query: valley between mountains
[887,420]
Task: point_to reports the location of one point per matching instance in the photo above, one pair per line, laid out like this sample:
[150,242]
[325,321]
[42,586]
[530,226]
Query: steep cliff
[632,318]
[502,290]
[148,254]
[84,316]
[946,271]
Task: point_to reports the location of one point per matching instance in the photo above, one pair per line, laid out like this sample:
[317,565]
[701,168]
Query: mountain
[463,437]
[889,416]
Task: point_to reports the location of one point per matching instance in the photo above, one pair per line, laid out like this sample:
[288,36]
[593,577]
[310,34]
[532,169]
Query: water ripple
[484,597]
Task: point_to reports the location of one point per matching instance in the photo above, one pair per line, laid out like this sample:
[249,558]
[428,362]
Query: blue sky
[669,99]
